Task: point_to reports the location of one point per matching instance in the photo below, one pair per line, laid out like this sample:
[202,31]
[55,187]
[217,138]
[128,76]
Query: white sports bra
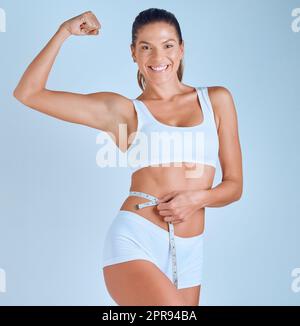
[157,144]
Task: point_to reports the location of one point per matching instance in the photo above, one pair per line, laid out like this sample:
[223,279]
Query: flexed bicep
[101,110]
[31,89]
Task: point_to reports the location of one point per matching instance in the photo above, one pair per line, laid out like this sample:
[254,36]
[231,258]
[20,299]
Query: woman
[153,251]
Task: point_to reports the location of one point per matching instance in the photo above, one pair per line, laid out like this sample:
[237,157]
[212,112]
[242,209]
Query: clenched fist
[84,24]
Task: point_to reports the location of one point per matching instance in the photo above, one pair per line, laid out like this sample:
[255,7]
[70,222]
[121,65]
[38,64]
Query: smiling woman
[160,249]
[153,250]
[154,40]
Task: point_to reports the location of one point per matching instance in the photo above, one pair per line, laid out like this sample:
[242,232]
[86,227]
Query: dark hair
[153,15]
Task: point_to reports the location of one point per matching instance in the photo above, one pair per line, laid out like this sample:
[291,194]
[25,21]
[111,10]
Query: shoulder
[111,109]
[219,96]
[117,104]
[222,102]
[111,98]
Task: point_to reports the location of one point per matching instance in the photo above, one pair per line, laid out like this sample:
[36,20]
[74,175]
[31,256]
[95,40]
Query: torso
[159,181]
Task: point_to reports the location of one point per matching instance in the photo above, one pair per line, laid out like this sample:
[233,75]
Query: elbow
[20,96]
[238,193]
[25,96]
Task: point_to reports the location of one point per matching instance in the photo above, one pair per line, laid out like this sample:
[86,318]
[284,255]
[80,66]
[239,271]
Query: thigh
[141,283]
[191,295]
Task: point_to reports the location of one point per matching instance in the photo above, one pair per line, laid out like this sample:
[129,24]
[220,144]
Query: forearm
[36,74]
[223,194]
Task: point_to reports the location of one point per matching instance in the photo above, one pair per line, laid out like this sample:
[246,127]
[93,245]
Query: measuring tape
[152,202]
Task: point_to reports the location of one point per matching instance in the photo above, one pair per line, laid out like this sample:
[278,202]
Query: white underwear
[131,236]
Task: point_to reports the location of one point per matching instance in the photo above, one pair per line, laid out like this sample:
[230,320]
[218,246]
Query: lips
[160,68]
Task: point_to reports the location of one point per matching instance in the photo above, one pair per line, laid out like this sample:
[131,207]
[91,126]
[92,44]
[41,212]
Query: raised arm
[100,110]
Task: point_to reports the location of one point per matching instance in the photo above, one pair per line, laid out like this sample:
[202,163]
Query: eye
[169,45]
[143,47]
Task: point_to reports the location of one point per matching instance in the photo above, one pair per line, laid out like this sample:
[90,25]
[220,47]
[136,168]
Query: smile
[158,68]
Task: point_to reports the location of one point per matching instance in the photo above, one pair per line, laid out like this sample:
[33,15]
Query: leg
[141,283]
[191,295]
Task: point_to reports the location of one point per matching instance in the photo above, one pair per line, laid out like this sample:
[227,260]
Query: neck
[164,91]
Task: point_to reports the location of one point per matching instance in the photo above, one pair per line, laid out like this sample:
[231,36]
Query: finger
[88,23]
[168,218]
[177,221]
[165,205]
[83,31]
[92,22]
[166,197]
[92,26]
[165,212]
[89,27]
[95,22]
[93,19]
[94,32]
[88,30]
[173,219]
[82,19]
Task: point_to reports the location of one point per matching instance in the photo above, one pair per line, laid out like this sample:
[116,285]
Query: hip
[192,226]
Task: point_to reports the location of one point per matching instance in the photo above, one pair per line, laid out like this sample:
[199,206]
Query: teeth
[159,68]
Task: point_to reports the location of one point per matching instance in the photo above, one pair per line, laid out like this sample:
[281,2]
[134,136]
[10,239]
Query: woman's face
[157,52]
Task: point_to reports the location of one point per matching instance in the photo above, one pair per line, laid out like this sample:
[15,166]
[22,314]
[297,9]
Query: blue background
[57,204]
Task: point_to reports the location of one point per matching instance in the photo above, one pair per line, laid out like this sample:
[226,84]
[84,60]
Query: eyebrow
[171,39]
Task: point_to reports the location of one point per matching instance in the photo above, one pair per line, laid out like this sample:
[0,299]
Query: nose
[157,55]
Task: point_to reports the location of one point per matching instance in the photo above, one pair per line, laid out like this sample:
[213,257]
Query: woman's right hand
[83,24]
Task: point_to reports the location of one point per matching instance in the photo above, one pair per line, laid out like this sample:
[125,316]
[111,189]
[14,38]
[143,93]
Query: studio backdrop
[57,203]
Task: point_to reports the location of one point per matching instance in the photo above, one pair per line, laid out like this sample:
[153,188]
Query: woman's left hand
[178,206]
